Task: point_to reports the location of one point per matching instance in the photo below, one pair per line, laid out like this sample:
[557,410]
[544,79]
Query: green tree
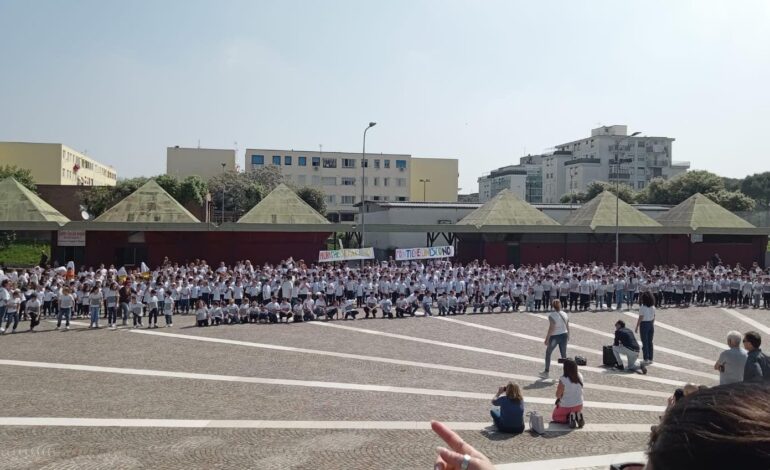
[100,198]
[314,197]
[268,177]
[192,189]
[623,191]
[685,185]
[241,191]
[732,184]
[656,192]
[734,201]
[22,175]
[757,186]
[170,184]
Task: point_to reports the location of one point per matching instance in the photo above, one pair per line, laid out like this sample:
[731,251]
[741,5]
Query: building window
[401,164]
[386,181]
[377,163]
[400,182]
[348,199]
[376,180]
[276,160]
[386,163]
[330,163]
[257,159]
[348,181]
[348,163]
[329,181]
[302,180]
[302,161]
[329,199]
[287,160]
[316,180]
[402,198]
[316,161]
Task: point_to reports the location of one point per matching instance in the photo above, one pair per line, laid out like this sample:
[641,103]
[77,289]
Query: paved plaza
[336,395]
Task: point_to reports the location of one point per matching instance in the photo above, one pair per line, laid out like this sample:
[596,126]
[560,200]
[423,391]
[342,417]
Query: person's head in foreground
[752,340]
[725,427]
[512,391]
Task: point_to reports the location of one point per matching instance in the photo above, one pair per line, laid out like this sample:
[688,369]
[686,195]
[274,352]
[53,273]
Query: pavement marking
[657,365]
[597,461]
[313,383]
[673,352]
[682,332]
[645,378]
[261,424]
[745,319]
[425,365]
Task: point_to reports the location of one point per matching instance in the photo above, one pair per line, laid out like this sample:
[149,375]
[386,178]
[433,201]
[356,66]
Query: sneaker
[572,420]
[580,420]
[544,374]
[2,331]
[58,328]
[619,367]
[67,328]
[13,331]
[643,368]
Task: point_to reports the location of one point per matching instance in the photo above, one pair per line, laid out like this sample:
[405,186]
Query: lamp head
[635,134]
[372,124]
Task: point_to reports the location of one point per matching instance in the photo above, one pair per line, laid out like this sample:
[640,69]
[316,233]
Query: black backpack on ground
[608,357]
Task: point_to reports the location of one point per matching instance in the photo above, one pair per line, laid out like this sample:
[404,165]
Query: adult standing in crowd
[645,325]
[557,335]
[732,361]
[757,368]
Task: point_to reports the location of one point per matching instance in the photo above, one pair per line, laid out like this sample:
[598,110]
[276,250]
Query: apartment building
[389,177]
[182,162]
[524,180]
[57,164]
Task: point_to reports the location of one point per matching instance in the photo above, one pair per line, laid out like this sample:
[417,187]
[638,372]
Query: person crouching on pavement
[510,417]
[625,344]
[371,306]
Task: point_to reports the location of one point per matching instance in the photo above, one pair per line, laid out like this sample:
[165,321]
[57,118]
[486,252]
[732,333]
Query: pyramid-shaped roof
[19,204]
[282,206]
[699,211]
[506,208]
[149,203]
[600,212]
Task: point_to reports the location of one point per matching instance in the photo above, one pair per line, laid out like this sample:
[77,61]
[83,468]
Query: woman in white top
[569,397]
[558,335]
[646,323]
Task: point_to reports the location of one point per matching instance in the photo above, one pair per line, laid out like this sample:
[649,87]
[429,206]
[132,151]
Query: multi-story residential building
[389,177]
[206,163]
[57,164]
[609,154]
[524,179]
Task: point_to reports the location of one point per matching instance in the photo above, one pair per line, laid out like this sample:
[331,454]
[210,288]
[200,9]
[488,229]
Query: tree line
[736,195]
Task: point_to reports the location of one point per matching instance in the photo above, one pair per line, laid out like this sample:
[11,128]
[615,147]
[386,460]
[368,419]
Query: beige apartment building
[57,164]
[182,162]
[389,177]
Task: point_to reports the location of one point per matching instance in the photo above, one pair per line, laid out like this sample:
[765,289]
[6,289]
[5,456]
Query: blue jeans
[124,312]
[9,317]
[499,424]
[553,341]
[647,331]
[619,299]
[111,315]
[63,312]
[95,311]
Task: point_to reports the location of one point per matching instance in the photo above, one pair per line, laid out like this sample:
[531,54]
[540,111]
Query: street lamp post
[363,185]
[223,193]
[617,203]
[424,184]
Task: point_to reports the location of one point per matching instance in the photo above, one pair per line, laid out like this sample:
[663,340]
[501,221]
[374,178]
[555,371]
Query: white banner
[403,254]
[346,254]
[71,238]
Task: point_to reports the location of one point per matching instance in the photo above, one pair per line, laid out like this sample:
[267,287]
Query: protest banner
[404,254]
[346,254]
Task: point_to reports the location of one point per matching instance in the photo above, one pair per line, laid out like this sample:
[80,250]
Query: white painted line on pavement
[596,461]
[745,319]
[657,365]
[682,332]
[312,383]
[463,347]
[673,352]
[261,424]
[425,365]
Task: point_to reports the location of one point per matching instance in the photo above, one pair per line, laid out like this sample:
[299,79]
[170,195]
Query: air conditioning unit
[315,168]
[400,169]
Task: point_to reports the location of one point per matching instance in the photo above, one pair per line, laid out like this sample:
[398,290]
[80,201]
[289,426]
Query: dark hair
[647,299]
[754,338]
[621,323]
[571,371]
[720,427]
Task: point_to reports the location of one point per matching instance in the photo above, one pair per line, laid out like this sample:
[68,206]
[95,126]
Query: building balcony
[619,176]
[578,161]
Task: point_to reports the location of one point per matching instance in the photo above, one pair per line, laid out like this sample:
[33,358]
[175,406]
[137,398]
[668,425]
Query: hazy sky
[482,81]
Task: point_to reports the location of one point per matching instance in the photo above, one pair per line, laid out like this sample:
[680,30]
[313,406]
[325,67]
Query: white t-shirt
[560,320]
[573,392]
[647,313]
